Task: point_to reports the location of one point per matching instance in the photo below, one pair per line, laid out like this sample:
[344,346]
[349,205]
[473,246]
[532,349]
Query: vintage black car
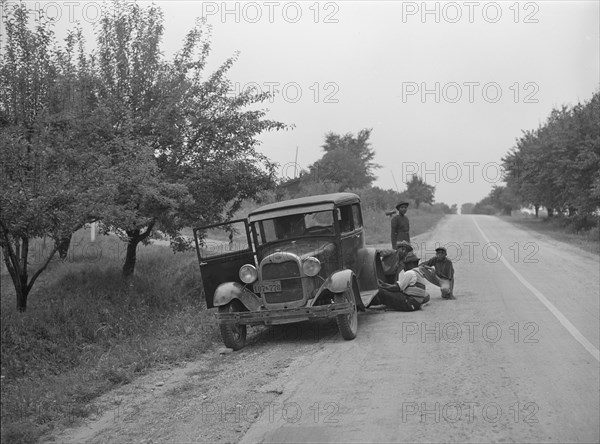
[287,262]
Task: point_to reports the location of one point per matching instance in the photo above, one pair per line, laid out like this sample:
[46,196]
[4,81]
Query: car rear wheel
[234,335]
[347,323]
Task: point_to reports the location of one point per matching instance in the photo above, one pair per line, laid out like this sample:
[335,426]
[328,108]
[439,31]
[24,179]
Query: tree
[467,208]
[504,199]
[556,165]
[191,154]
[348,161]
[419,191]
[48,180]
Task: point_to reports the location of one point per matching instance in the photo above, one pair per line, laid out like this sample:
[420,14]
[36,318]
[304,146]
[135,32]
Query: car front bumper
[285,315]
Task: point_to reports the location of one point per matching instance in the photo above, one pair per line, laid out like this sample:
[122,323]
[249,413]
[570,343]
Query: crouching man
[409,293]
[444,271]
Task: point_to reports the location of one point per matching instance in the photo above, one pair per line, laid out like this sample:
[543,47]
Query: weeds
[564,229]
[87,330]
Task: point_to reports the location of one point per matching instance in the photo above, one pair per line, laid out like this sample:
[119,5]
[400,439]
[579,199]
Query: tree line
[555,166]
[347,165]
[119,135]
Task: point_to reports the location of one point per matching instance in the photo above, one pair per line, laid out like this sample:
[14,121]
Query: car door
[222,249]
[351,235]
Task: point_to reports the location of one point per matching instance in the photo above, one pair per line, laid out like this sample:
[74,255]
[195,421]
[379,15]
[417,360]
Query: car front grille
[291,283]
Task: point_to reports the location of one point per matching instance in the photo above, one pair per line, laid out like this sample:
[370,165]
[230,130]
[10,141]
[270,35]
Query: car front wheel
[234,335]
[347,323]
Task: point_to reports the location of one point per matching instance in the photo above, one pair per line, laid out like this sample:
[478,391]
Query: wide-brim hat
[411,257]
[404,244]
[402,203]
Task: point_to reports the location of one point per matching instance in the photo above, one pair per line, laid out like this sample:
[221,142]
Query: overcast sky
[446,87]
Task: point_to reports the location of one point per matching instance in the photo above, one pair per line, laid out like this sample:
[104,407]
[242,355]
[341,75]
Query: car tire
[347,323]
[233,335]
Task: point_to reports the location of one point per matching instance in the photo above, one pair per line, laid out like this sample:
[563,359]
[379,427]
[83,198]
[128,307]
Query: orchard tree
[556,165]
[193,153]
[420,191]
[48,178]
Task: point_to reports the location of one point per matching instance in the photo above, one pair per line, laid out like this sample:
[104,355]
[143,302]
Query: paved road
[513,359]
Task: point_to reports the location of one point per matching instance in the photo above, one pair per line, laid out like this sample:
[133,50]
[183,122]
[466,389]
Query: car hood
[303,248]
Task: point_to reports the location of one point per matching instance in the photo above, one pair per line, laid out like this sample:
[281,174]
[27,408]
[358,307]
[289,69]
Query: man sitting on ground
[409,293]
[444,270]
[412,281]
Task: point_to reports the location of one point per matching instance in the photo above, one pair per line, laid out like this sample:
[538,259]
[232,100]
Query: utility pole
[296,163]
[394,181]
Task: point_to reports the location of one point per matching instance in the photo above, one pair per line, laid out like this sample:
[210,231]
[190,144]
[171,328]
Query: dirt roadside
[213,399]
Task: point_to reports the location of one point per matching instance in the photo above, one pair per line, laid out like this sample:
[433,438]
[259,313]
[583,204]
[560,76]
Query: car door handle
[202,264]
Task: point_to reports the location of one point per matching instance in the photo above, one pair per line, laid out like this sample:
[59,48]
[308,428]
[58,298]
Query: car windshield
[294,226]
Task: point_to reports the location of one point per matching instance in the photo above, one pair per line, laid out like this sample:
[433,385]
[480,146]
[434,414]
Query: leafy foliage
[50,173]
[347,162]
[556,166]
[192,157]
[420,191]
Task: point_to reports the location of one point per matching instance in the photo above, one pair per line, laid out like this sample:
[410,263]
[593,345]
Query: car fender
[369,269]
[339,282]
[229,291]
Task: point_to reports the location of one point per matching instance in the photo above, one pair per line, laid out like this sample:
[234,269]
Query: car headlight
[248,274]
[311,266]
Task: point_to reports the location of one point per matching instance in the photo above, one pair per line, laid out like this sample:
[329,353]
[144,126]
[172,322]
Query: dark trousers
[396,300]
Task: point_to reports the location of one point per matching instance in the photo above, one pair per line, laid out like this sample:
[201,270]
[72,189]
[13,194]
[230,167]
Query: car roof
[333,198]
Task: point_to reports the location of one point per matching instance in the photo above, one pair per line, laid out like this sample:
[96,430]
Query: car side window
[356,216]
[346,220]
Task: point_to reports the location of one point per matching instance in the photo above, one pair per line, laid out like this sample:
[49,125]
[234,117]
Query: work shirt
[400,229]
[412,283]
[443,269]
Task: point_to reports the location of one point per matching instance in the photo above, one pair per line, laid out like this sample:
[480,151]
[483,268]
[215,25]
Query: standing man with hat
[400,225]
[444,270]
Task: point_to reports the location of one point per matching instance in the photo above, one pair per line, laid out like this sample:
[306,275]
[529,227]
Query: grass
[86,331]
[558,228]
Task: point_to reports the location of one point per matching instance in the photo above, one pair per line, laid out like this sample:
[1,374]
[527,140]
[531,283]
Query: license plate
[267,287]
